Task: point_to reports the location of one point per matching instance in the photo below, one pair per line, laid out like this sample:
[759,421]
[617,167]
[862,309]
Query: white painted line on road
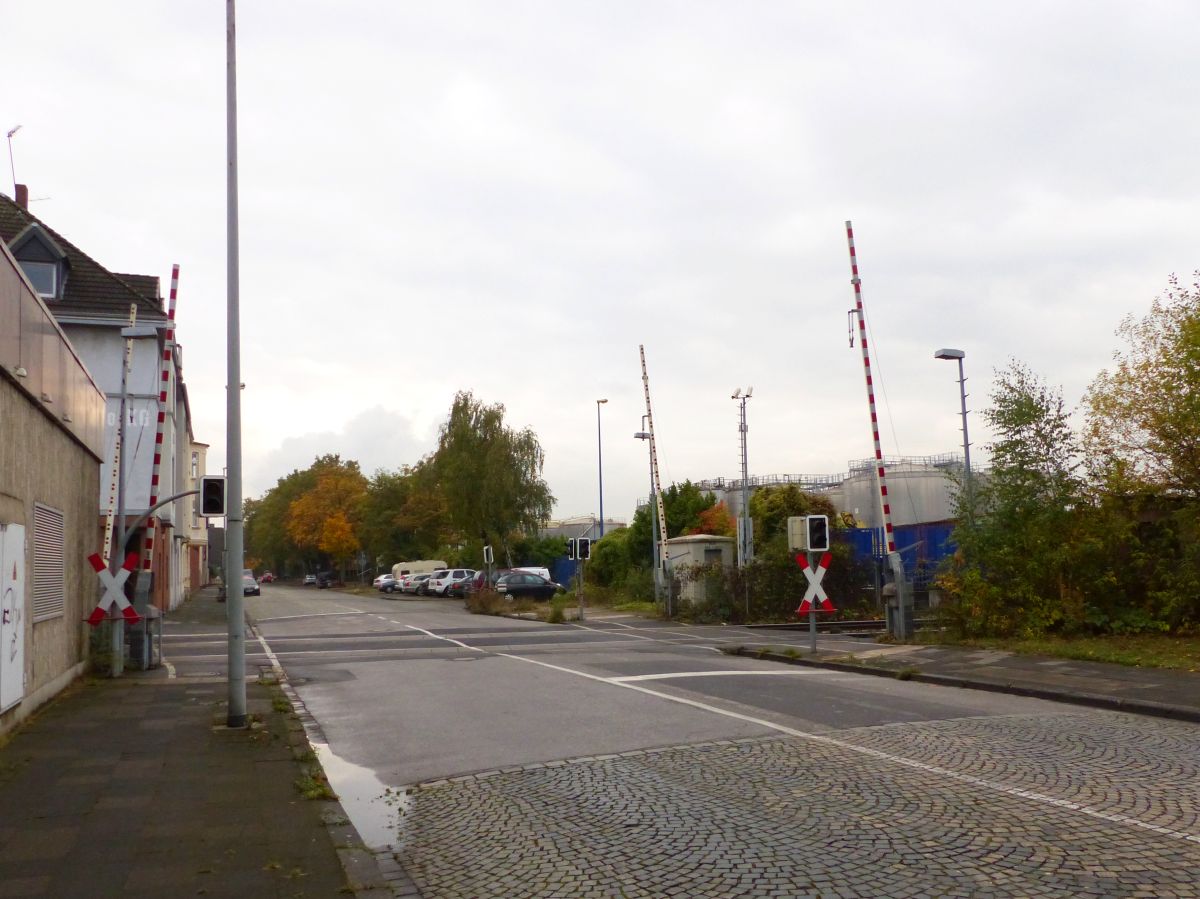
[596,630]
[803,672]
[170,669]
[447,639]
[878,754]
[312,615]
[275,666]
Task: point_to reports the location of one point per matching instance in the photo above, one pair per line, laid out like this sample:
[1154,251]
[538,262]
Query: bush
[487,602]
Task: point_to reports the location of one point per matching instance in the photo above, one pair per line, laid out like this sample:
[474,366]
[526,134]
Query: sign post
[815,595]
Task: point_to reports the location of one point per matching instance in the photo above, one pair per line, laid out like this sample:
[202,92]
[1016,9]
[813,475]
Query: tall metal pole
[116,559]
[236,716]
[962,393]
[600,463]
[885,508]
[958,355]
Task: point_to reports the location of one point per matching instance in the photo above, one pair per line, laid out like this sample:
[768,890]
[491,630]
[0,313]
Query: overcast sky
[509,198]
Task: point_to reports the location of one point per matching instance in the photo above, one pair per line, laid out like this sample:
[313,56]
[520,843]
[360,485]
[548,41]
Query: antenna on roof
[11,165]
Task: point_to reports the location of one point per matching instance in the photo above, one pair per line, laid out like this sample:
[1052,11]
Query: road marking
[733,673]
[275,666]
[923,767]
[170,669]
[312,615]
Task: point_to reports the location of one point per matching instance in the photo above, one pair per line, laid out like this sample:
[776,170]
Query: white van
[418,566]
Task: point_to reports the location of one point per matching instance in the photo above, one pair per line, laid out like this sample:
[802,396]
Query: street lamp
[745,540]
[600,463]
[643,434]
[959,355]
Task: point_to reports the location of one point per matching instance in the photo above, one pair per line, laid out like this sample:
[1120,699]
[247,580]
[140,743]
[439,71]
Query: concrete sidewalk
[1147,691]
[134,787]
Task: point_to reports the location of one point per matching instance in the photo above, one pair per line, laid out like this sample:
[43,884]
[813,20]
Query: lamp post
[643,434]
[745,547]
[600,463]
[959,355]
[745,544]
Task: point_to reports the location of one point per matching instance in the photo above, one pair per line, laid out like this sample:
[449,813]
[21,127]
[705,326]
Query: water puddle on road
[374,808]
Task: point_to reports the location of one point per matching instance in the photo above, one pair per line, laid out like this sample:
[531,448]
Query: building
[51,452]
[91,305]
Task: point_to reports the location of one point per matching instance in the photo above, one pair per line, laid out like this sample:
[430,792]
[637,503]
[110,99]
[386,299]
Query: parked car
[414,583]
[309,579]
[440,581]
[325,579]
[525,585]
[250,587]
[267,578]
[378,582]
[385,583]
[481,578]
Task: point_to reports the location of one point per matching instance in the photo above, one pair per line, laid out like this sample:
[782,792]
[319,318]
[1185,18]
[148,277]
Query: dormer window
[44,263]
[44,278]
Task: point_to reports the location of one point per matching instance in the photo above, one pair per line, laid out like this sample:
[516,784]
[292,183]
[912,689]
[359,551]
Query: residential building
[91,305]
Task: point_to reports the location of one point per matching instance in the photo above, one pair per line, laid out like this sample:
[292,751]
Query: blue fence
[922,547]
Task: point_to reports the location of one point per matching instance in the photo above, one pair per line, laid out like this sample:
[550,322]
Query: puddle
[374,808]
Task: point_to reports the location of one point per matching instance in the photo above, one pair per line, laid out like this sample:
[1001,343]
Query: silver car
[443,579]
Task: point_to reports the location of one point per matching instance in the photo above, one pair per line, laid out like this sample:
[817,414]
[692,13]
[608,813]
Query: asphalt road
[498,757]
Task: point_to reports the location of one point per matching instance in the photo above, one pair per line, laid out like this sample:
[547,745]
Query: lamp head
[949,354]
[736,394]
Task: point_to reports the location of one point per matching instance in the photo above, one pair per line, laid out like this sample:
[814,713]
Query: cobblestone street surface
[1089,804]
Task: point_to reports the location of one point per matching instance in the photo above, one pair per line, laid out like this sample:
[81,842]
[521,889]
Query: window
[44,278]
[195,466]
[49,594]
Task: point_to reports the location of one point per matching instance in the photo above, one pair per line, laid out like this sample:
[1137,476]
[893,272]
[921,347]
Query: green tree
[1018,570]
[770,507]
[684,504]
[489,474]
[1143,416]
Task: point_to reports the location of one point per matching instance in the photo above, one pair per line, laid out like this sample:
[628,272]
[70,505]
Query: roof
[90,288]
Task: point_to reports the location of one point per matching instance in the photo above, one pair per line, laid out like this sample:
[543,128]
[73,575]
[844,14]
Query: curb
[360,865]
[1091,700]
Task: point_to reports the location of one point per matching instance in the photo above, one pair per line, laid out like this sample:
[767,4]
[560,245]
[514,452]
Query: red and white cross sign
[815,598]
[114,589]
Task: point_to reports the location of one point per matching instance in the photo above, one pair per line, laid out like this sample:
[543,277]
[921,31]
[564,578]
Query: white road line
[275,666]
[861,750]
[313,615]
[170,669]
[803,672]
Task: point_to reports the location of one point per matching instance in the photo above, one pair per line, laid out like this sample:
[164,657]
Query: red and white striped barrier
[164,383]
[884,502]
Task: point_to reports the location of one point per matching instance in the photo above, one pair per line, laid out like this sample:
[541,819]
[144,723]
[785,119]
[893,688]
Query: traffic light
[570,547]
[212,497]
[584,548]
[818,533]
[487,555]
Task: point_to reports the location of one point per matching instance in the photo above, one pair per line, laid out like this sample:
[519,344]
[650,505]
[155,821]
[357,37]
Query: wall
[39,462]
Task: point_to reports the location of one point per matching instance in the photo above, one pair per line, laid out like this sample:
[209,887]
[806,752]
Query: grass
[1141,651]
[314,786]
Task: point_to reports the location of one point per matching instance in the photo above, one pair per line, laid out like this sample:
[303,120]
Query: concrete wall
[39,462]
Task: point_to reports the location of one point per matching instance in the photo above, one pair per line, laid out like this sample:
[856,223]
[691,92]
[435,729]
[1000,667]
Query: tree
[1143,416]
[1018,570]
[716,520]
[771,507]
[266,519]
[683,503]
[325,519]
[490,474]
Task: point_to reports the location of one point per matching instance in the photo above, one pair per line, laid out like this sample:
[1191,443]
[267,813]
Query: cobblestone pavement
[1089,804]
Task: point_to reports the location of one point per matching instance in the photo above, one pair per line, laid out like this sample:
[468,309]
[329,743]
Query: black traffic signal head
[818,533]
[212,496]
[570,547]
[584,550]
